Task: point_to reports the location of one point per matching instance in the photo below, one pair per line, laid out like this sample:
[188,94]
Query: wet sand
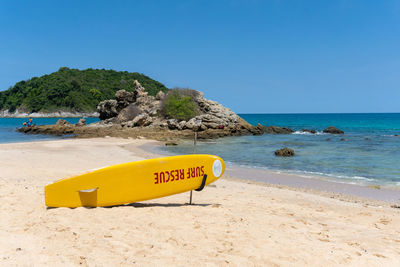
[233,221]
[318,185]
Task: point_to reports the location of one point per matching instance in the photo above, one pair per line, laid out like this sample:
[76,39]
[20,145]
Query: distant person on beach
[28,123]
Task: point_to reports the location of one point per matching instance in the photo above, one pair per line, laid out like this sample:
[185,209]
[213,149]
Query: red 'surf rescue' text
[176,175]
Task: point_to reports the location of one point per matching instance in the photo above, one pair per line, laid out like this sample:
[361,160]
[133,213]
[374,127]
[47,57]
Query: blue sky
[252,56]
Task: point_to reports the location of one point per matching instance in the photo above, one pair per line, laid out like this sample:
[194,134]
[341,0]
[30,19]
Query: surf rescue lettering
[176,175]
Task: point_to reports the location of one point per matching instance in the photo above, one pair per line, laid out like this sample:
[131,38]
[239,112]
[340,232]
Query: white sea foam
[344,177]
[310,174]
[308,133]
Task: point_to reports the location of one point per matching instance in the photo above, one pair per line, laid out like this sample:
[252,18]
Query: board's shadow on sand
[147,205]
[166,205]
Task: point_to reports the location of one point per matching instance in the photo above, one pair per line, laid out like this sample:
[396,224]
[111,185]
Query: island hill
[149,110]
[70,92]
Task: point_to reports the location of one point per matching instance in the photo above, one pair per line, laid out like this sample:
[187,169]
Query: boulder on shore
[61,122]
[128,113]
[333,130]
[108,109]
[284,152]
[142,119]
[81,122]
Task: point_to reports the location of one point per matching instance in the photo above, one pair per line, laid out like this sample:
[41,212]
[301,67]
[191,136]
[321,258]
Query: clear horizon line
[398,112]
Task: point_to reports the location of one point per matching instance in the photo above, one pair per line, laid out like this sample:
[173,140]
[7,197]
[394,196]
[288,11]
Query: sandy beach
[233,222]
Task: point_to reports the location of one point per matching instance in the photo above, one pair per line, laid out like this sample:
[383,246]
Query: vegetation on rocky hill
[72,90]
[179,104]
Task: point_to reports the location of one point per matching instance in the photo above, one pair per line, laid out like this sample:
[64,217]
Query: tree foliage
[72,90]
[179,104]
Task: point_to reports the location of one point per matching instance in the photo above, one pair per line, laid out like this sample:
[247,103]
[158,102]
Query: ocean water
[368,152]
[9,125]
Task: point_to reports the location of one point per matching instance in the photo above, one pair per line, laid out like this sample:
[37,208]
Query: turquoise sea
[9,125]
[368,152]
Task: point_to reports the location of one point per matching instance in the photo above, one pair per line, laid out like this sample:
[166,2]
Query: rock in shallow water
[273,129]
[333,130]
[284,152]
[171,144]
[308,131]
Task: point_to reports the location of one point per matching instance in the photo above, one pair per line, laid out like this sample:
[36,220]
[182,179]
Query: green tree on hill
[72,90]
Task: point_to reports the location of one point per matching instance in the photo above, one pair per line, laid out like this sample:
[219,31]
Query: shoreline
[313,184]
[232,221]
[317,185]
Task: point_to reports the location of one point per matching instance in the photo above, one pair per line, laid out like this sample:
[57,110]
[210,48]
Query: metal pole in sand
[195,141]
[194,152]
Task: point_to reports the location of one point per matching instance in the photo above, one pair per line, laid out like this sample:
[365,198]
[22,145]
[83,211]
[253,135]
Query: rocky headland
[135,114]
[138,114]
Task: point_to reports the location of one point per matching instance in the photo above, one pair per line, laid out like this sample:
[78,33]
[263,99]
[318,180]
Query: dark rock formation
[118,130]
[284,152]
[142,119]
[272,130]
[108,109]
[127,105]
[308,131]
[124,98]
[138,109]
[128,113]
[333,130]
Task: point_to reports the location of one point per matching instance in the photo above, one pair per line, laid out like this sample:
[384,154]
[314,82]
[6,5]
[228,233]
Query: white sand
[232,223]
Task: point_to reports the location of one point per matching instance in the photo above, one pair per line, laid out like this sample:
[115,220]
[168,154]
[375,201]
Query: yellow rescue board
[135,181]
